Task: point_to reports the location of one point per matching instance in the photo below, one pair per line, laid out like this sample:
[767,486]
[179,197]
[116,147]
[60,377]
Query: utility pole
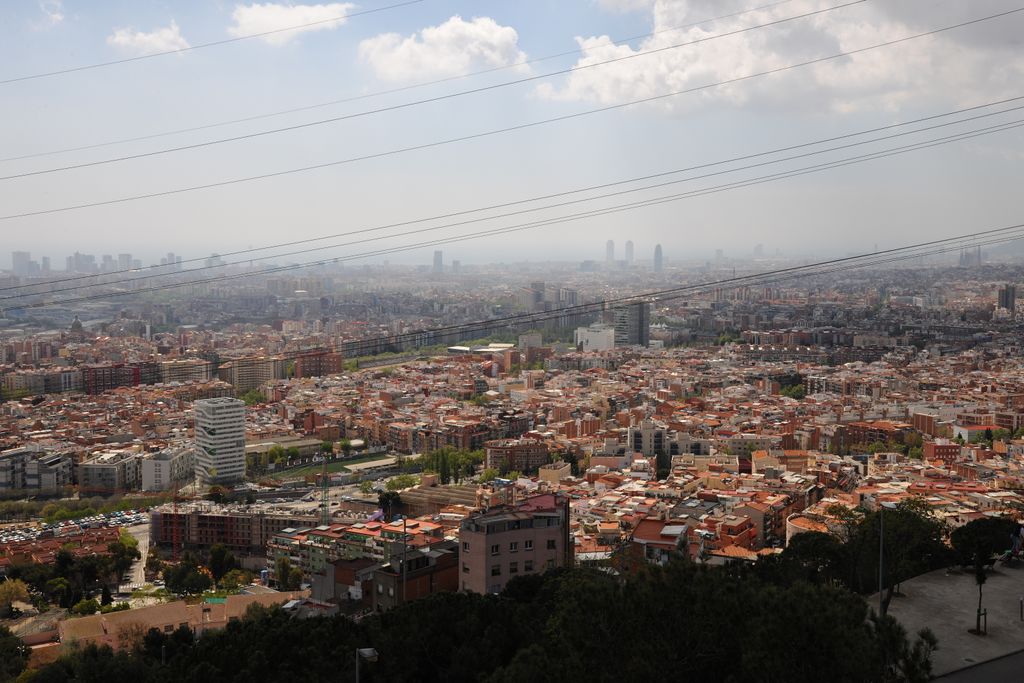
[881,553]
[405,548]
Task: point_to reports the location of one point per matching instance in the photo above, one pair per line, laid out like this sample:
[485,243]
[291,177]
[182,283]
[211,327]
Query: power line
[414,103]
[474,136]
[829,266]
[544,222]
[564,193]
[391,91]
[200,46]
[550,196]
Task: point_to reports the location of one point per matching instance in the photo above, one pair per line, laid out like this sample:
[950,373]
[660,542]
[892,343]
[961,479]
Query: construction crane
[325,488]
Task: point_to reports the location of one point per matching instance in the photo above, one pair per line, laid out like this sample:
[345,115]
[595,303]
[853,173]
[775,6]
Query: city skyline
[398,48]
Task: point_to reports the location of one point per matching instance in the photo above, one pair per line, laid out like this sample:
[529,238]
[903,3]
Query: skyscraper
[438,261]
[220,435]
[1008,297]
[609,252]
[21,263]
[657,259]
[629,252]
[633,325]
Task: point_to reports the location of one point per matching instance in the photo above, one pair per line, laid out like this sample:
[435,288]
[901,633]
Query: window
[380,589]
[513,567]
[551,544]
[495,549]
[550,564]
[391,591]
[495,570]
[465,568]
[528,566]
[169,628]
[528,545]
[513,547]
[465,546]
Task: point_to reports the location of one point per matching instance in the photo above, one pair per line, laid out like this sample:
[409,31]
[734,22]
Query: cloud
[968,65]
[260,18]
[455,47]
[53,14]
[624,6]
[160,40]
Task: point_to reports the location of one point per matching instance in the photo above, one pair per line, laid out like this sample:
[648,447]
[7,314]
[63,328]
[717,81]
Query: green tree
[291,453]
[253,397]
[14,655]
[402,481]
[346,447]
[85,607]
[12,590]
[289,578]
[489,474]
[389,502]
[366,487]
[326,447]
[187,577]
[221,561]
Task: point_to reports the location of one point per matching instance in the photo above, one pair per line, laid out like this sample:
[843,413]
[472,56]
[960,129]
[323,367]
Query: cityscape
[717,364]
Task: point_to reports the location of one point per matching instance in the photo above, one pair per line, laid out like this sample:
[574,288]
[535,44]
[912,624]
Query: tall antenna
[325,505]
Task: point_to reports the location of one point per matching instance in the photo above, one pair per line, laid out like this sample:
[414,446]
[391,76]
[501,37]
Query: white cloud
[964,65]
[53,11]
[624,6]
[455,47]
[159,40]
[52,15]
[260,18]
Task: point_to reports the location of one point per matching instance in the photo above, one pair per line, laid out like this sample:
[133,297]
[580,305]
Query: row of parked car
[66,527]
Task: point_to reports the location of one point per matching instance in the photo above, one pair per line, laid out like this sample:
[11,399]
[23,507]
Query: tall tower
[629,252]
[658,259]
[609,252]
[633,325]
[1007,297]
[220,435]
[438,261]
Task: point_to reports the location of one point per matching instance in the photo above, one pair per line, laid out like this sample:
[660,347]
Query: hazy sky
[966,186]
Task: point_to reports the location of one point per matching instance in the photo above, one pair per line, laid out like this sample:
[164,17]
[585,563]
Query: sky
[389,58]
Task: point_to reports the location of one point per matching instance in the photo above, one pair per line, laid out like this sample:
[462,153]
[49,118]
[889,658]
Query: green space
[336,466]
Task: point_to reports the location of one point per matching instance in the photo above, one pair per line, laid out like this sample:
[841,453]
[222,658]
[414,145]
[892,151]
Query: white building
[594,338]
[220,435]
[173,465]
[113,471]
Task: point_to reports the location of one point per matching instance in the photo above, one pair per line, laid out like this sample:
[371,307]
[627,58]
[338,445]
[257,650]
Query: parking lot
[29,532]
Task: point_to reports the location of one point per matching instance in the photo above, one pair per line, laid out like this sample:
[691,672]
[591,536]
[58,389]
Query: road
[138,570]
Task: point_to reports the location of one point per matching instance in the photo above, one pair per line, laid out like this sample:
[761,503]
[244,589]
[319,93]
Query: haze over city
[578,340]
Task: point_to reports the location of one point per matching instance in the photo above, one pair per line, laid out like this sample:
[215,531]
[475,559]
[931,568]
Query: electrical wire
[413,103]
[434,335]
[391,91]
[130,280]
[545,222]
[475,136]
[192,48]
[746,157]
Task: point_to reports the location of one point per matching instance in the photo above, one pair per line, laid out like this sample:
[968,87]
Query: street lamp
[882,505]
[367,653]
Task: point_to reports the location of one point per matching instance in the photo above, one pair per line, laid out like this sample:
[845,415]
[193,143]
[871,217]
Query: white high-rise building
[220,435]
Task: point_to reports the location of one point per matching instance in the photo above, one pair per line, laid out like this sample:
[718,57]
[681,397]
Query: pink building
[502,543]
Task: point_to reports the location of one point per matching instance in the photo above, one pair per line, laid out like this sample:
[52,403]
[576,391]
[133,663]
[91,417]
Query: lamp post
[882,505]
[367,653]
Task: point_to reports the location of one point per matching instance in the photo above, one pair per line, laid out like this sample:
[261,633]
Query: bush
[84,607]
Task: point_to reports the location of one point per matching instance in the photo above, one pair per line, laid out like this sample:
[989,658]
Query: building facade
[220,435]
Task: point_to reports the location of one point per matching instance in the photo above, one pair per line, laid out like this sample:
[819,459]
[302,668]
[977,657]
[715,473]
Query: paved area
[138,570]
[1009,669]
[946,603]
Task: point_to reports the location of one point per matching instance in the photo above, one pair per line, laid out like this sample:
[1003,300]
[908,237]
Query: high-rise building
[658,259]
[124,261]
[21,263]
[629,252]
[438,261]
[220,435]
[1008,297]
[609,252]
[633,325]
[45,265]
